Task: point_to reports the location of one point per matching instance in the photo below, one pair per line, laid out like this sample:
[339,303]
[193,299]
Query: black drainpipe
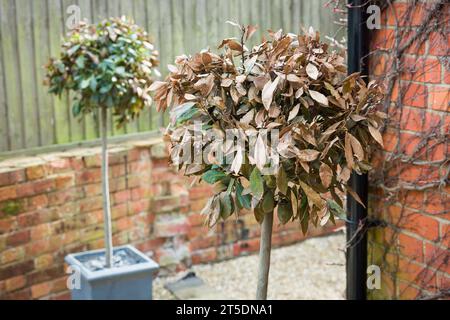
[356,254]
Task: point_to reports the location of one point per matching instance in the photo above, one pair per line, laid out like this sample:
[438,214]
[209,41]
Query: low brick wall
[51,205]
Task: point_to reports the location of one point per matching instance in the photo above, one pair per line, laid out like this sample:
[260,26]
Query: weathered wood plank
[41,49]
[12,76]
[152,8]
[4,125]
[140,15]
[166,33]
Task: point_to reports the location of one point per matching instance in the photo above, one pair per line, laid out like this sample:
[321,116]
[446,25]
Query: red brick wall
[51,205]
[413,250]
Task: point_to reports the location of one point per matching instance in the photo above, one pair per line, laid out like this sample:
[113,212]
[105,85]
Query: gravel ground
[312,269]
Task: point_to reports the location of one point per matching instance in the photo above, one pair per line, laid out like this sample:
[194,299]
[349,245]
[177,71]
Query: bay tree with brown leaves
[109,68]
[326,122]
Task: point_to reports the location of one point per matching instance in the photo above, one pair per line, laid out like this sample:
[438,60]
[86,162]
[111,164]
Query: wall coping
[23,162]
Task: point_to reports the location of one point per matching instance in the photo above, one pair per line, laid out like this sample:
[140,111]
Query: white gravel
[312,269]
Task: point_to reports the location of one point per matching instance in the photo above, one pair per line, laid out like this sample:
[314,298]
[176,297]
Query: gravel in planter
[312,269]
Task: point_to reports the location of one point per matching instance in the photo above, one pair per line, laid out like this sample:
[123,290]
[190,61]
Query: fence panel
[31,31]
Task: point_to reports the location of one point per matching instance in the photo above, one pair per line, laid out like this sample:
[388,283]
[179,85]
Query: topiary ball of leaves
[107,65]
[326,122]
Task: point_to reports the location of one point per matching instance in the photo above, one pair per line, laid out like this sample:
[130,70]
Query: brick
[437,203]
[437,258]
[16,269]
[24,294]
[436,150]
[121,196]
[445,234]
[383,39]
[415,95]
[122,224]
[63,296]
[36,172]
[12,255]
[119,211]
[203,243]
[39,276]
[204,256]
[43,262]
[94,189]
[15,283]
[64,181]
[18,238]
[44,186]
[8,193]
[400,13]
[38,247]
[139,193]
[422,225]
[117,171]
[411,173]
[88,176]
[408,292]
[439,43]
[11,177]
[61,197]
[41,231]
[390,139]
[92,161]
[439,98]
[421,69]
[139,206]
[412,199]
[171,225]
[39,202]
[198,205]
[411,247]
[196,219]
[41,290]
[91,204]
[119,184]
[410,144]
[25,190]
[59,285]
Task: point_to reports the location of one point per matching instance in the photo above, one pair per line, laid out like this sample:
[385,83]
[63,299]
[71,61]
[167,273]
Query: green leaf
[212,176]
[93,84]
[304,222]
[284,211]
[85,83]
[226,206]
[80,62]
[76,108]
[106,88]
[312,195]
[337,210]
[257,184]
[268,202]
[72,50]
[259,214]
[243,201]
[282,181]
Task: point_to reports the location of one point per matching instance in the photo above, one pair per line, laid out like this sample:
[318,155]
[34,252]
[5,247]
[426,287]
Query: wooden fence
[31,31]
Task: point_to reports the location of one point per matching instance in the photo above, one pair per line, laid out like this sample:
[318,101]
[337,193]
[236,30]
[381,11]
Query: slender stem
[105,190]
[264,256]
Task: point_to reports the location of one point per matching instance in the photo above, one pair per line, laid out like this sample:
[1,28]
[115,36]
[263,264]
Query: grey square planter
[133,282]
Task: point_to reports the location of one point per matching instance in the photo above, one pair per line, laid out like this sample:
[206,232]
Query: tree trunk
[264,256]
[105,189]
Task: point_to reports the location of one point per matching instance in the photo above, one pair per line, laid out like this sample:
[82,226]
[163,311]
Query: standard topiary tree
[108,66]
[323,124]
